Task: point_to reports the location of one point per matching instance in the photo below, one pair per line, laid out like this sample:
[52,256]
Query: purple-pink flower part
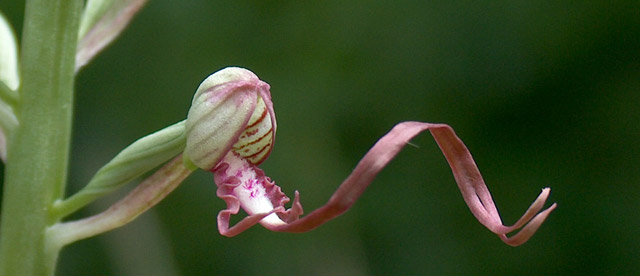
[231,129]
[241,184]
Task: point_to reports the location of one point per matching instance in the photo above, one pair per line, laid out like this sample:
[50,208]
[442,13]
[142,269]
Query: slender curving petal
[270,211]
[530,229]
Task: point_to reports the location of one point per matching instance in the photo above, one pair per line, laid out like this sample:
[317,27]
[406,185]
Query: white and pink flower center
[251,191]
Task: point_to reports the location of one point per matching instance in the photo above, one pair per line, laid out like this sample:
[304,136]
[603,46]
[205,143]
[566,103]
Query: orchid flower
[231,129]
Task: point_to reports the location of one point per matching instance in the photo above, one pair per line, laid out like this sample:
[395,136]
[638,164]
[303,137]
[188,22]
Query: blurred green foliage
[544,93]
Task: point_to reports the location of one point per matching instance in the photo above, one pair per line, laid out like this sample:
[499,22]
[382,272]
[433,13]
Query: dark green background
[544,93]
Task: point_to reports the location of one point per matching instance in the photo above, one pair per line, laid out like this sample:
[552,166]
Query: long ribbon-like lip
[466,173]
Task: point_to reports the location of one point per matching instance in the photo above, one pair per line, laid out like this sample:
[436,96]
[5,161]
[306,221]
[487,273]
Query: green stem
[38,152]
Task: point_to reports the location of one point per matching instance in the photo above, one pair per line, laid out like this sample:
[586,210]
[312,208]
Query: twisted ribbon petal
[235,176]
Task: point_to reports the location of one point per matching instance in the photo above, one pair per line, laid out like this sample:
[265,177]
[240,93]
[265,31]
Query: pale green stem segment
[38,151]
[138,158]
[144,196]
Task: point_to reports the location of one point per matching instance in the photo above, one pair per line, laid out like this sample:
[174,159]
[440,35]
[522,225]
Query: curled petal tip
[535,207]
[477,195]
[545,191]
[530,229]
[532,219]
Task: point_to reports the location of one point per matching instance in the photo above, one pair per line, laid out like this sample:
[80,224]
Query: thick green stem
[38,152]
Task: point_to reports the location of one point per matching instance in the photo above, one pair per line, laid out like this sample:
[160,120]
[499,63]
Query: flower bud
[231,111]
[8,55]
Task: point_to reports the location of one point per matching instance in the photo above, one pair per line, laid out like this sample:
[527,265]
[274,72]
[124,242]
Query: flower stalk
[147,194]
[38,151]
[138,158]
